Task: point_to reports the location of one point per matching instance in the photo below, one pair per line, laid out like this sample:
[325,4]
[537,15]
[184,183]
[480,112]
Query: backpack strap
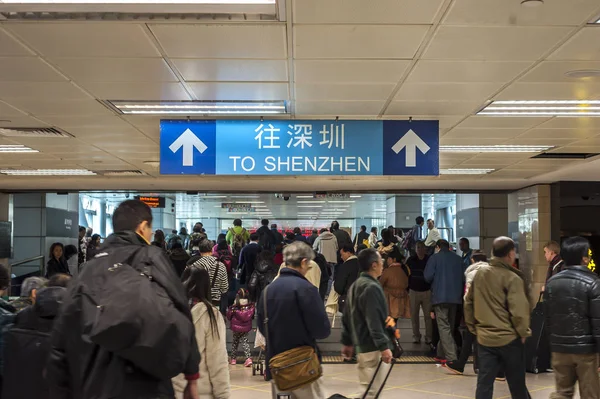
[266,320]
[214,279]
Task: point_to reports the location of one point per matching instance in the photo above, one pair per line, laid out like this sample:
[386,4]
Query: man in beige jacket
[497,311]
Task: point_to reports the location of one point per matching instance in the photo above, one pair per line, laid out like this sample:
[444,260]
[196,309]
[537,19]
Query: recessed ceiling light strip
[465,171]
[48,172]
[494,148]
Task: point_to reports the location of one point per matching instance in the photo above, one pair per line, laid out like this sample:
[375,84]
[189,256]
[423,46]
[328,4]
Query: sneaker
[439,360]
[233,362]
[416,340]
[454,368]
[500,378]
[248,362]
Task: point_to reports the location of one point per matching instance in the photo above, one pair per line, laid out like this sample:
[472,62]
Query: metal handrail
[39,258]
[22,262]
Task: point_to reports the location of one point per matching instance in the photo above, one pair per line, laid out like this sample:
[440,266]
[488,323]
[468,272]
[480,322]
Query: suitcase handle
[375,375]
[540,298]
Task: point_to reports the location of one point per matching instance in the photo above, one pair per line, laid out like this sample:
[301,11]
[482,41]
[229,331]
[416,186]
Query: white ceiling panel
[41,91]
[330,92]
[232,70]
[110,129]
[493,43]
[6,111]
[116,69]
[150,91]
[22,121]
[358,41]
[585,45]
[482,161]
[58,107]
[539,164]
[445,121]
[502,122]
[510,13]
[240,91]
[564,134]
[429,71]
[574,148]
[88,39]
[27,69]
[366,12]
[554,72]
[8,46]
[515,173]
[338,108]
[476,92]
[68,122]
[591,142]
[349,71]
[430,107]
[573,123]
[525,139]
[550,91]
[222,41]
[478,140]
[481,133]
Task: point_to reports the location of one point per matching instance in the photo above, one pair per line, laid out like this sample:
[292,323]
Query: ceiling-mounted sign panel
[299,147]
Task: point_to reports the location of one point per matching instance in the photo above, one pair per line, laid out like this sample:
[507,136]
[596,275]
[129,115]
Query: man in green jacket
[497,311]
[363,324]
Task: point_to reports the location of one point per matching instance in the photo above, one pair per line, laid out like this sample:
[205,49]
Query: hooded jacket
[327,245]
[78,368]
[241,318]
[57,266]
[28,346]
[214,369]
[263,275]
[179,257]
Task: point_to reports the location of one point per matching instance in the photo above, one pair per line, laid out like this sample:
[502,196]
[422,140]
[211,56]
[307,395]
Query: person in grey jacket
[445,271]
[326,244]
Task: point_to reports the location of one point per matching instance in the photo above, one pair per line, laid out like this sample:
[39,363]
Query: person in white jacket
[211,337]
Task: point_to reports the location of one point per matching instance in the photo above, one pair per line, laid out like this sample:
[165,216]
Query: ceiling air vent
[47,132]
[564,155]
[123,173]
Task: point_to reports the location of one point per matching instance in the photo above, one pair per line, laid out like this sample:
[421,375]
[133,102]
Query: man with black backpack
[266,238]
[125,327]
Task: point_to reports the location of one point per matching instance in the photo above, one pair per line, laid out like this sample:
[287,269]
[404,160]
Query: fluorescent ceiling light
[312,202]
[465,171]
[15,148]
[572,108]
[495,148]
[304,196]
[48,172]
[211,2]
[310,206]
[355,196]
[340,202]
[200,107]
[245,196]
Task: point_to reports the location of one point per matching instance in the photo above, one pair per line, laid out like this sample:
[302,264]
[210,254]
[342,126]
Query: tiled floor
[410,381]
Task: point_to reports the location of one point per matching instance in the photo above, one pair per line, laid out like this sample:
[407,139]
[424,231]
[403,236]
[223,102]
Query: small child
[241,314]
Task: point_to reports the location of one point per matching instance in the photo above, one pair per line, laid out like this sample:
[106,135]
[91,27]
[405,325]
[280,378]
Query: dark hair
[432,221]
[465,239]
[420,242]
[159,236]
[323,230]
[196,241]
[348,248]
[297,230]
[264,222]
[173,231]
[274,226]
[363,228]
[96,237]
[183,231]
[254,237]
[176,245]
[386,237]
[315,231]
[59,280]
[237,222]
[373,229]
[56,244]
[420,220]
[4,277]
[222,246]
[198,228]
[82,229]
[574,249]
[205,246]
[197,286]
[479,256]
[360,248]
[502,246]
[265,256]
[366,258]
[130,214]
[241,294]
[70,250]
[290,236]
[395,254]
[221,237]
[335,225]
[442,244]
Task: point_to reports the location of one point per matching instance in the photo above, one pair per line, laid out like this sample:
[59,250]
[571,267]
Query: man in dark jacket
[555,262]
[266,238]
[346,274]
[248,258]
[179,257]
[298,236]
[342,236]
[445,272]
[311,240]
[28,346]
[296,315]
[363,324]
[572,311]
[278,237]
[78,368]
[7,315]
[420,294]
[361,236]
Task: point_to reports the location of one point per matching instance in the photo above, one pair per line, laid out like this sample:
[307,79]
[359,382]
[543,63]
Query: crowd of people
[149,312]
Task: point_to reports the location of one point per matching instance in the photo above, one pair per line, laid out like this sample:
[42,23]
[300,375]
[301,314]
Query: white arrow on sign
[188,140]
[411,141]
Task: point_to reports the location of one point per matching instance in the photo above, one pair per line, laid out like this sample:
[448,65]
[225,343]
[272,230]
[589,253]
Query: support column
[529,215]
[402,210]
[481,218]
[6,215]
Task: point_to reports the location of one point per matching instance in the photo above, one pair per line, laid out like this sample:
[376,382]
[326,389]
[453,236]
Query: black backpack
[127,311]
[265,239]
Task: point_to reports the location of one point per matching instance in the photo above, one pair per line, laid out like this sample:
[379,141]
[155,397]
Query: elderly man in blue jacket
[445,271]
[296,315]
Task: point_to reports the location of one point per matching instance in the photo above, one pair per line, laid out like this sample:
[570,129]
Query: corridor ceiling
[352,59]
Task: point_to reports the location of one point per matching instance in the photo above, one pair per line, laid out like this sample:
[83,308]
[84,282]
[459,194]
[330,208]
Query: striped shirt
[218,279]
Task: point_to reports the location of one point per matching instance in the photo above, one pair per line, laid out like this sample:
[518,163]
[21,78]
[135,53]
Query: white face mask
[243,302]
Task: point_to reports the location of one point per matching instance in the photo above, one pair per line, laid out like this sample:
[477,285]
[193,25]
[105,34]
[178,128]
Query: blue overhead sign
[295,147]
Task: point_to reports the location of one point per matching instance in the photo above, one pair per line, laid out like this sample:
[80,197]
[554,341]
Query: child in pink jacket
[241,314]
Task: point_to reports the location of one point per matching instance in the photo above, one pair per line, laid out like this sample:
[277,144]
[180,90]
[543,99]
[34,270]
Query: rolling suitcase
[338,396]
[537,347]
